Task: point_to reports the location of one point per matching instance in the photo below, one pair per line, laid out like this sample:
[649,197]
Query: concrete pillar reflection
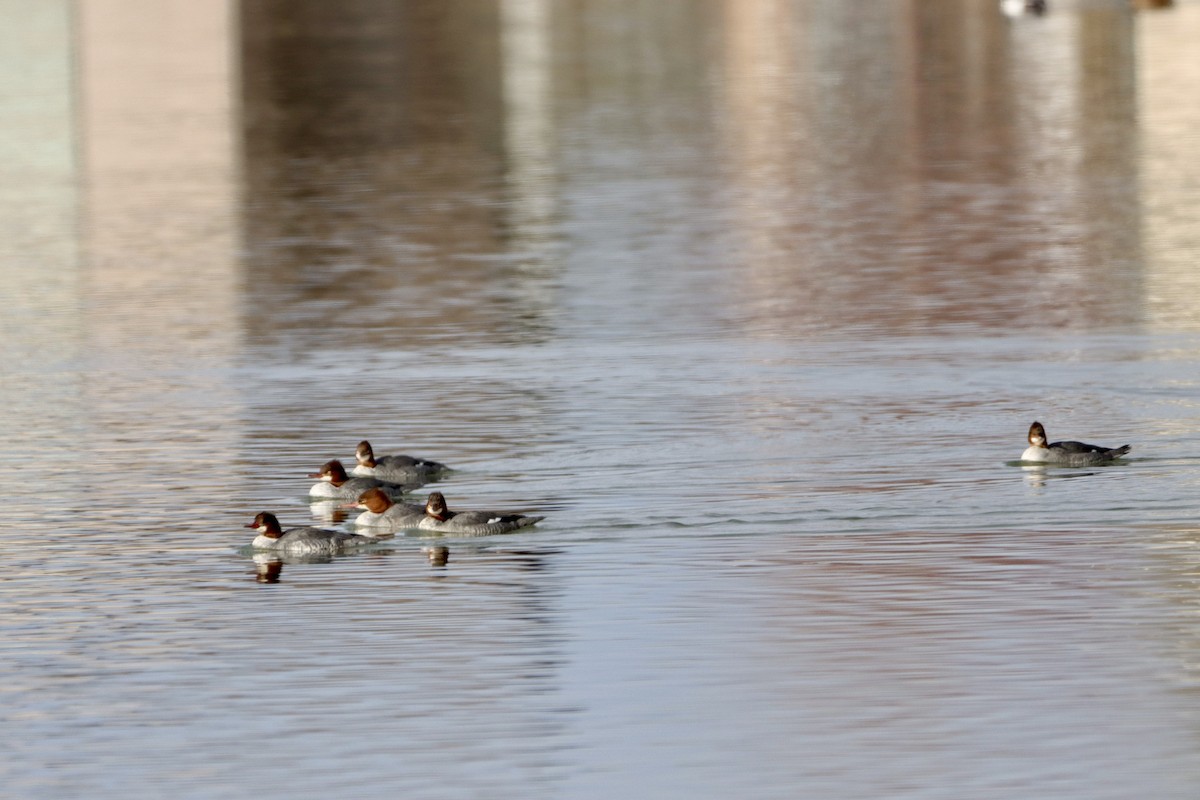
[1167,74]
[39,257]
[528,117]
[158,215]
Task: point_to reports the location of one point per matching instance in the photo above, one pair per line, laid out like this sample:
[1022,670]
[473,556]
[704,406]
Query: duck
[335,484]
[439,518]
[383,513]
[272,536]
[1015,8]
[1069,454]
[394,468]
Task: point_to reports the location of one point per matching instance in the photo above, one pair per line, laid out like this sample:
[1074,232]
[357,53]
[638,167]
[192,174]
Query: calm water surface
[754,301]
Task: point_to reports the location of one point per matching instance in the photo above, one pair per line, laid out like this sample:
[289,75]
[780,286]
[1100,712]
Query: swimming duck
[271,536]
[1069,454]
[335,483]
[394,468]
[384,514]
[1015,8]
[441,519]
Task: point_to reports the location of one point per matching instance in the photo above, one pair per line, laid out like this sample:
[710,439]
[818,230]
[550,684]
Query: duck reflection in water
[438,555]
[267,567]
[268,564]
[330,512]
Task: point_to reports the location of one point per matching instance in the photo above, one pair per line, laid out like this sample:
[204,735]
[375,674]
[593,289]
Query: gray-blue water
[754,301]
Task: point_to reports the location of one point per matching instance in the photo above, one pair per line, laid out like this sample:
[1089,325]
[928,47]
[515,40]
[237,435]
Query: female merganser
[381,512]
[337,484]
[470,523]
[394,468]
[304,540]
[1015,8]
[1070,454]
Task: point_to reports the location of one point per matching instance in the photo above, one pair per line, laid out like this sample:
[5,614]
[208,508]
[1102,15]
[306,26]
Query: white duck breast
[1068,453]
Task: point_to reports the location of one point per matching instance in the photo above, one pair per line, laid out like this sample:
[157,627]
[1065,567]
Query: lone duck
[1068,454]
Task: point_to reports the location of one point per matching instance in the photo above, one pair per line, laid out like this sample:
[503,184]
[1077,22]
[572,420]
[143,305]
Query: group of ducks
[377,487]
[379,484]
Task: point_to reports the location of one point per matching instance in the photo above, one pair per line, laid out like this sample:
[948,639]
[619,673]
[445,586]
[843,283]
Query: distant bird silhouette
[1015,8]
